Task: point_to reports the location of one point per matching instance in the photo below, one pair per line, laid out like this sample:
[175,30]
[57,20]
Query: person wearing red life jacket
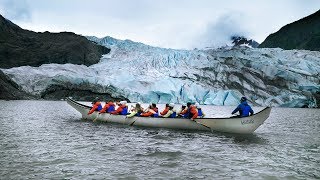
[122,108]
[152,111]
[191,112]
[108,107]
[96,106]
[165,111]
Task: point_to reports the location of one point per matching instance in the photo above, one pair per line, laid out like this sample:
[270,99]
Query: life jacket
[99,106]
[187,114]
[200,112]
[111,108]
[156,114]
[164,111]
[173,115]
[124,110]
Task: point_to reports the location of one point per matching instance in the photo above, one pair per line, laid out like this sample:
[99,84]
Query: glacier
[143,73]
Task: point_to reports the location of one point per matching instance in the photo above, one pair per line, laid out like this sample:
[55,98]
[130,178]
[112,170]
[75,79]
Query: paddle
[200,123]
[94,120]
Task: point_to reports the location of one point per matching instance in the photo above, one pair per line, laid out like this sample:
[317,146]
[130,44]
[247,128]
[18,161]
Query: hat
[123,102]
[171,104]
[243,99]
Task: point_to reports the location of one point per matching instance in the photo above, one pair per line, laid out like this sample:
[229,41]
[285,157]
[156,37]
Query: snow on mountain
[216,76]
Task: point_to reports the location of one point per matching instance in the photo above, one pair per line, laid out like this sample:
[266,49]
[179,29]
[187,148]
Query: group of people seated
[191,111]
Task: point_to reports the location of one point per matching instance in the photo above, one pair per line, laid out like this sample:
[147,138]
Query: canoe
[244,125]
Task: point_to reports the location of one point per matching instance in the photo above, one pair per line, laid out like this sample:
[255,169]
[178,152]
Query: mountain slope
[10,90]
[302,34]
[221,76]
[19,47]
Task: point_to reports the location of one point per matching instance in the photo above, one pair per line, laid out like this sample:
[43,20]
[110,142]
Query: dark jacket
[244,109]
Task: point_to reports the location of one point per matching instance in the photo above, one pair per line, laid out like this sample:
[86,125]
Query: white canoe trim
[243,125]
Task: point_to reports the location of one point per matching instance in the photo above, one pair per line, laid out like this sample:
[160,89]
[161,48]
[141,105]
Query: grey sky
[165,23]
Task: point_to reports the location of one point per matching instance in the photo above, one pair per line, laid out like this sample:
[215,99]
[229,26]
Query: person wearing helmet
[96,105]
[243,108]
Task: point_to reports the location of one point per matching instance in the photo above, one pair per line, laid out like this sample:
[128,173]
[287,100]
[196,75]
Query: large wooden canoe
[243,125]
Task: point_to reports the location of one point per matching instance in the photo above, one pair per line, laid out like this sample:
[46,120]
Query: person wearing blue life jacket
[243,108]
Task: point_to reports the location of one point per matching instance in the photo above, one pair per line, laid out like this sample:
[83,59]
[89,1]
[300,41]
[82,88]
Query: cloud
[15,9]
[219,32]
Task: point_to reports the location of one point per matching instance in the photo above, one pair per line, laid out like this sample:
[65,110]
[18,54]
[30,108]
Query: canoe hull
[244,125]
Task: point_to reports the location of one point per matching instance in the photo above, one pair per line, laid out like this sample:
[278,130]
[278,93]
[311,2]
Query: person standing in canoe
[109,107]
[243,108]
[96,105]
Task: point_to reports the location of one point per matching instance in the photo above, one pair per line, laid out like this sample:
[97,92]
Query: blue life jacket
[156,114]
[187,114]
[99,107]
[200,112]
[124,111]
[173,115]
[110,109]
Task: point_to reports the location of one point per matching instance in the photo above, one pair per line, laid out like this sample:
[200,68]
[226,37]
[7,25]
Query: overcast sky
[183,24]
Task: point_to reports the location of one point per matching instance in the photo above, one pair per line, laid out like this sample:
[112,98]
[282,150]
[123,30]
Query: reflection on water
[48,140]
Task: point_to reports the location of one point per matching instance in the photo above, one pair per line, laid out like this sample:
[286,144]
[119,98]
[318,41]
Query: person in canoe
[136,110]
[166,109]
[171,112]
[96,106]
[152,111]
[183,107]
[243,108]
[122,108]
[200,112]
[108,107]
[190,112]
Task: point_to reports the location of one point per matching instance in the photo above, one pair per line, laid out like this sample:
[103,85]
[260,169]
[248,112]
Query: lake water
[48,140]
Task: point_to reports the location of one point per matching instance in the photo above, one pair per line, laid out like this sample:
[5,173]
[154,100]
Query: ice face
[213,76]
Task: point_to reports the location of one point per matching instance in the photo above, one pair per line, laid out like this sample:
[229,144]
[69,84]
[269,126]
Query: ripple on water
[54,143]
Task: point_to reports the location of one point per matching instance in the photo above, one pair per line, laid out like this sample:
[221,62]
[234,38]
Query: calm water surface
[48,140]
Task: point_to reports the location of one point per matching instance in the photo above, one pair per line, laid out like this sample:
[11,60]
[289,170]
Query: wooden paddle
[200,123]
[94,120]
